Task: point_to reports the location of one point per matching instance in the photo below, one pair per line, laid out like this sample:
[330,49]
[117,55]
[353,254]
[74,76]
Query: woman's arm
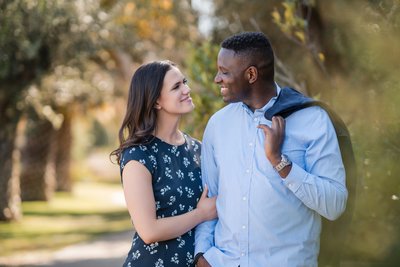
[140,201]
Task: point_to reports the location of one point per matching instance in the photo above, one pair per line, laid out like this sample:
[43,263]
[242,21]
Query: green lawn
[90,210]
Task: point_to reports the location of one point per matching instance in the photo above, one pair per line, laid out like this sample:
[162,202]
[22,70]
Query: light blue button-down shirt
[264,220]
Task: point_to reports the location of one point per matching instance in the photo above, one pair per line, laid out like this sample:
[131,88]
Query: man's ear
[251,74]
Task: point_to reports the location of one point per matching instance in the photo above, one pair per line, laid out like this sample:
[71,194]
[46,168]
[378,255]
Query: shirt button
[243,254]
[250,144]
[247,170]
[243,226]
[255,119]
[244,198]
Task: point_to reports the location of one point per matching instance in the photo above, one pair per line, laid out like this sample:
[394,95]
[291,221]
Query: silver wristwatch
[285,161]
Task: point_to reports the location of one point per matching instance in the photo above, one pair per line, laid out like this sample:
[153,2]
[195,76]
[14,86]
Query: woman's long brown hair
[140,118]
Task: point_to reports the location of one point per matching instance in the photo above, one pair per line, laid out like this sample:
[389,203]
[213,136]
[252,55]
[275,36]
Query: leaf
[300,36]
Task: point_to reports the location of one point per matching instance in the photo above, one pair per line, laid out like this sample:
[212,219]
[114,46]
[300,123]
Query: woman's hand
[206,206]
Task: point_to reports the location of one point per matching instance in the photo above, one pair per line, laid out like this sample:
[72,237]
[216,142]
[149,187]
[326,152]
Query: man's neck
[260,97]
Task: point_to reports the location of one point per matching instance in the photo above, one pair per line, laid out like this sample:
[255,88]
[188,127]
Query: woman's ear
[251,74]
[157,106]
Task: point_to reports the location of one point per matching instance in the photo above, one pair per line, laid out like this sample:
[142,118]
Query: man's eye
[185,81]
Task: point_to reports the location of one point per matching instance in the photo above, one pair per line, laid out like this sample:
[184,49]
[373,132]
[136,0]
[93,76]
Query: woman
[160,168]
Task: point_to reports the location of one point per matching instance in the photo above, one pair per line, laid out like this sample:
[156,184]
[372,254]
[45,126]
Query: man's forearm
[202,262]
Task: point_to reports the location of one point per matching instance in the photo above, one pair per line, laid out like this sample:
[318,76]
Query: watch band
[285,161]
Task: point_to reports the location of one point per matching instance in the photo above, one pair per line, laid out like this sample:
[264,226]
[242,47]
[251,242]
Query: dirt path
[107,251]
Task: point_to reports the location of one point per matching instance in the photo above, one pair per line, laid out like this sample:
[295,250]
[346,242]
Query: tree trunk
[63,155]
[38,161]
[10,201]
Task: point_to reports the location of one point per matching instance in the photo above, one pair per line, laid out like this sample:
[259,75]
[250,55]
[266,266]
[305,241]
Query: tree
[43,39]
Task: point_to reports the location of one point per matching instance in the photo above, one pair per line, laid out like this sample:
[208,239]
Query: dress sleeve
[141,154]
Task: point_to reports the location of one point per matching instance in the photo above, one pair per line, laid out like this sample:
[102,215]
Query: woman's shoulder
[139,151]
[191,140]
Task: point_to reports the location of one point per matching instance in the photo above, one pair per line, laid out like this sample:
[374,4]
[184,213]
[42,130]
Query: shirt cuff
[295,178]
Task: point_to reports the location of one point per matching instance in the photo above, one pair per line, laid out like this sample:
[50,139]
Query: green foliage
[201,68]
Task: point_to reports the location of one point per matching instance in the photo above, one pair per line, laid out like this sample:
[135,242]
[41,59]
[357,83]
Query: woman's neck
[167,130]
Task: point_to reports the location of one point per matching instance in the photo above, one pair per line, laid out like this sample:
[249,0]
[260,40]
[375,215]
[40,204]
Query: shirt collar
[270,103]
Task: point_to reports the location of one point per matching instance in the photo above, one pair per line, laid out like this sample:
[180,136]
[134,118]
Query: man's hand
[274,136]
[202,262]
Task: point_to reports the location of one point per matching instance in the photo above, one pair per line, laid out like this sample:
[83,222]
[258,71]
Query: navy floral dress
[176,180]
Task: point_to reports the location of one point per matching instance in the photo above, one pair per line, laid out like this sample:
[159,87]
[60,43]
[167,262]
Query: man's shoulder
[226,112]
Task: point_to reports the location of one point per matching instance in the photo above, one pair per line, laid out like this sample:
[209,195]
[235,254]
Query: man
[274,179]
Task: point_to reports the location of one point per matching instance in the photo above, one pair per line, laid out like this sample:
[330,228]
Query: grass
[92,209]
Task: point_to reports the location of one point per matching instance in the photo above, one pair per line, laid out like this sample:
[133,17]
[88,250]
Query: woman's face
[175,94]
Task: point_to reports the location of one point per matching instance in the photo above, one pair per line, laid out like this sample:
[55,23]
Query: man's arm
[204,234]
[321,185]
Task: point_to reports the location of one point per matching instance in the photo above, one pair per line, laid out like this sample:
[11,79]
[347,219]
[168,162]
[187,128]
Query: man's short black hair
[256,47]
[246,41]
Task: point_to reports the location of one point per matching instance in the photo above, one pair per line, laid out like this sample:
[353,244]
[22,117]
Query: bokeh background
[65,68]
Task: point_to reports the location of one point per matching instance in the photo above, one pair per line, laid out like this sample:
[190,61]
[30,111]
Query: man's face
[231,76]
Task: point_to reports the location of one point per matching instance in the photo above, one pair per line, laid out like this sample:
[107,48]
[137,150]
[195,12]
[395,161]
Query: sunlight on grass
[91,209]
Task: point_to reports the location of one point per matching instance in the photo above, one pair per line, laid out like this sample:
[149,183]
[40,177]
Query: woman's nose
[186,89]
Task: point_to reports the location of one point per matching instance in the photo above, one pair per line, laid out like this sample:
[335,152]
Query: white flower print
[174,149]
[174,213]
[155,148]
[196,159]
[180,191]
[167,159]
[189,192]
[195,146]
[189,259]
[159,263]
[172,200]
[191,176]
[190,208]
[158,206]
[165,189]
[133,149]
[186,162]
[168,173]
[153,160]
[143,148]
[181,207]
[180,174]
[152,247]
[175,259]
[181,241]
[142,161]
[158,179]
[136,255]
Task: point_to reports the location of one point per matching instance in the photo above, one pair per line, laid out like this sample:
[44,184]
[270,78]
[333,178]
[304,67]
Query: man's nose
[217,78]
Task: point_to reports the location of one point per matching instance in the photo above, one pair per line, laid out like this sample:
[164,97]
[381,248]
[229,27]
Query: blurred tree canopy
[64,57]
